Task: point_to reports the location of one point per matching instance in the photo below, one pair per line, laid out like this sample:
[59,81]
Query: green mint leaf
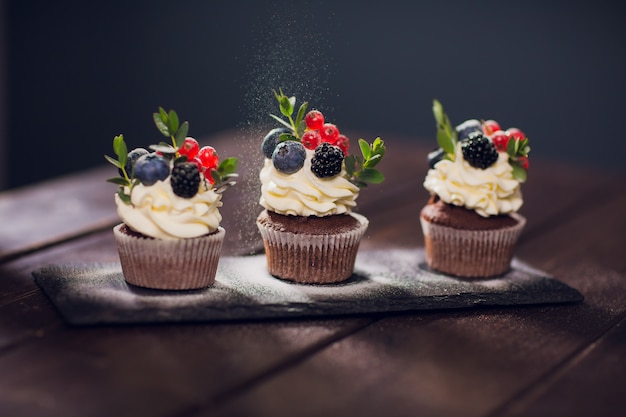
[286,105]
[301,113]
[372,176]
[119,181]
[182,132]
[519,173]
[365,149]
[123,196]
[286,136]
[227,167]
[373,161]
[160,123]
[119,146]
[216,176]
[281,121]
[350,164]
[172,122]
[112,161]
[446,134]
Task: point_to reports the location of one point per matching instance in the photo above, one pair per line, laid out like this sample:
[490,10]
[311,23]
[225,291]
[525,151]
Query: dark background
[78,72]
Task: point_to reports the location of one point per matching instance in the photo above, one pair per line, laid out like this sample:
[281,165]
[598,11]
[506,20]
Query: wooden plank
[592,383]
[48,368]
[469,363]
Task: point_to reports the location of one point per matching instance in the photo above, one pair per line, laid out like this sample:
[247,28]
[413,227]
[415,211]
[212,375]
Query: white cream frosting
[157,212]
[489,192]
[303,193]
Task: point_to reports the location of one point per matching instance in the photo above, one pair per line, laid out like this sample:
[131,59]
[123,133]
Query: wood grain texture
[547,360]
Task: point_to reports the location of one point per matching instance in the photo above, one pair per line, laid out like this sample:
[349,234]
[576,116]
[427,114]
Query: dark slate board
[384,281]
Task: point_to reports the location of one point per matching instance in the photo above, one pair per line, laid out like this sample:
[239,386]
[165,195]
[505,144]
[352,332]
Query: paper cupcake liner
[312,259]
[181,264]
[471,253]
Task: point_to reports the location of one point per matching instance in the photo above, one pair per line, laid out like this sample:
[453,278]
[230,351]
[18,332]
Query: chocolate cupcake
[471,224]
[169,202]
[309,187]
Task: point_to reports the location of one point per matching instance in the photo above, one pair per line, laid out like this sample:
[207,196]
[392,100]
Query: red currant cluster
[318,132]
[500,138]
[205,158]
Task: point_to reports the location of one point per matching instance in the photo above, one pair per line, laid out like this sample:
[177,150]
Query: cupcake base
[181,264]
[315,250]
[471,253]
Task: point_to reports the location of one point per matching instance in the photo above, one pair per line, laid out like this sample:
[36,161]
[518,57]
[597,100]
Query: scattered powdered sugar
[287,52]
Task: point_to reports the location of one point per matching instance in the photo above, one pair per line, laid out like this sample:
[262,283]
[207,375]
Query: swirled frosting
[157,212]
[303,193]
[489,192]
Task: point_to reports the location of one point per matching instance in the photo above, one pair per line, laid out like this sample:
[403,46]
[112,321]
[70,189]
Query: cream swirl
[303,193]
[157,212]
[489,192]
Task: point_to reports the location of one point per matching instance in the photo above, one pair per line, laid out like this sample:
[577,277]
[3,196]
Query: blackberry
[327,160]
[479,151]
[185,179]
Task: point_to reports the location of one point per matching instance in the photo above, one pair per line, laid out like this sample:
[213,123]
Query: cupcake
[168,199]
[309,187]
[470,222]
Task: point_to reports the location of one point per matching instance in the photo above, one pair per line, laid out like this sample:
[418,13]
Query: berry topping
[314,120]
[132,157]
[311,138]
[490,126]
[435,156]
[500,140]
[151,168]
[271,140]
[479,152]
[523,161]
[343,143]
[185,179]
[208,157]
[289,156]
[327,161]
[329,133]
[189,148]
[465,129]
[515,133]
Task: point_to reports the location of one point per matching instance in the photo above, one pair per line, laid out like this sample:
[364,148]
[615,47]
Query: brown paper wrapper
[471,253]
[312,259]
[181,264]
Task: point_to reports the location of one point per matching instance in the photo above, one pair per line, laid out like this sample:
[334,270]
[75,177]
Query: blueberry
[132,157]
[151,168]
[435,156]
[271,140]
[289,156]
[467,127]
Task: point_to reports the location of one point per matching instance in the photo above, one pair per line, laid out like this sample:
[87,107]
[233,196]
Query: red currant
[314,120]
[208,157]
[329,133]
[523,160]
[343,143]
[189,148]
[490,126]
[311,138]
[500,140]
[515,133]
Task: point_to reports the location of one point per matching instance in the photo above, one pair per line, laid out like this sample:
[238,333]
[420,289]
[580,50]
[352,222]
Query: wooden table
[547,360]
